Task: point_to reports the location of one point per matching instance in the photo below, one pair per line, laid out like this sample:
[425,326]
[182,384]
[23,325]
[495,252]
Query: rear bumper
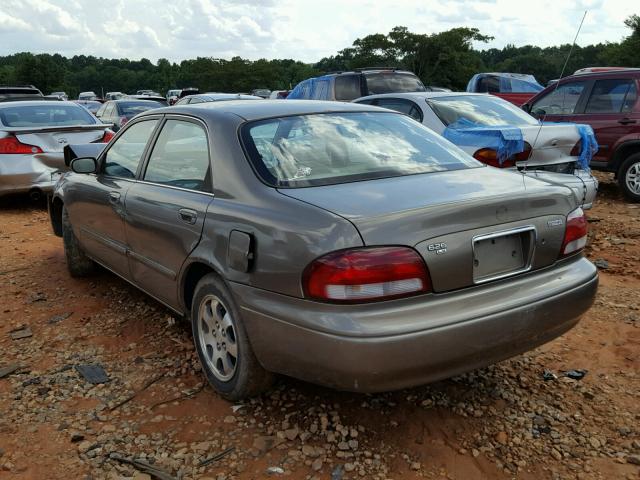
[25,173]
[402,343]
[582,183]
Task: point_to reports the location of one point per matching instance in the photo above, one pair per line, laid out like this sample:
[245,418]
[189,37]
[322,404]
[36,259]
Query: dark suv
[608,101]
[347,86]
[13,93]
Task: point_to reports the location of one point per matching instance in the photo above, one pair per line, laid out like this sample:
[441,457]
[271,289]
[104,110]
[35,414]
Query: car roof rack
[365,69]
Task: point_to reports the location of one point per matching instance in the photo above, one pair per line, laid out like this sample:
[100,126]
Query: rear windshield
[484,110]
[393,82]
[52,114]
[332,148]
[131,109]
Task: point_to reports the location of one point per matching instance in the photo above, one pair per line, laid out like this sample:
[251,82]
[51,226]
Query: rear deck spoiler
[84,150]
[59,128]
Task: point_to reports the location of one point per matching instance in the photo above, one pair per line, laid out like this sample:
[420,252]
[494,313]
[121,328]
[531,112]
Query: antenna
[556,86]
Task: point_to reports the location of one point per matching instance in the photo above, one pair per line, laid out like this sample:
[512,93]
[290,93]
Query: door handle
[188,216]
[626,121]
[114,197]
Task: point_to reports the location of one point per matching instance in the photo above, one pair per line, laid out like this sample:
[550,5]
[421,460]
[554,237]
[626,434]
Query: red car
[516,88]
[608,101]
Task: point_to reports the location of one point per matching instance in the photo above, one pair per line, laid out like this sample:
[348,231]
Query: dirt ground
[506,421]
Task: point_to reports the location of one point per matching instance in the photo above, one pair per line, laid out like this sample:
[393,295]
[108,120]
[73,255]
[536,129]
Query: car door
[562,101]
[167,206]
[609,111]
[97,206]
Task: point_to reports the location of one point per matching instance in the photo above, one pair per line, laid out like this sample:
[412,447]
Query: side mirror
[84,165]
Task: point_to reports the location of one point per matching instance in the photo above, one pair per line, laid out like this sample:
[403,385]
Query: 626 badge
[439,248]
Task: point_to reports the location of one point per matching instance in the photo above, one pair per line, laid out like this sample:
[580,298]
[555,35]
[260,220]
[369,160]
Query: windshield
[393,82]
[132,109]
[481,109]
[45,115]
[326,149]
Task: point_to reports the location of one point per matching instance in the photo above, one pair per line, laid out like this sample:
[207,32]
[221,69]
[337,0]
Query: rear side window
[393,82]
[489,84]
[180,157]
[559,101]
[131,109]
[52,114]
[122,159]
[612,96]
[348,87]
[401,105]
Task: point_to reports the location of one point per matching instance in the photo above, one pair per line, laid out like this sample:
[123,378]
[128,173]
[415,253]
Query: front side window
[180,157]
[123,157]
[562,100]
[612,96]
[332,148]
[485,110]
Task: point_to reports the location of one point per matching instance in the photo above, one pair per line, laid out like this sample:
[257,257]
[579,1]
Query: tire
[629,177]
[78,264]
[222,344]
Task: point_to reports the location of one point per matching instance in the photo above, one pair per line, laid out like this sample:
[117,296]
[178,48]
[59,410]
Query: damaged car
[498,134]
[342,244]
[33,135]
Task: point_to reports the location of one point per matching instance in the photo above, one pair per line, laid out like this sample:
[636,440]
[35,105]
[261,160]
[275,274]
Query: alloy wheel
[632,178]
[217,337]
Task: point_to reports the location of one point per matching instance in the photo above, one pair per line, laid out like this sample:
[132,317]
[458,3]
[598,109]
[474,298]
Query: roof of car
[31,103]
[265,109]
[606,73]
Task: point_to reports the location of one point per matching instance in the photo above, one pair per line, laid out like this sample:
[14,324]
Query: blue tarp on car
[316,88]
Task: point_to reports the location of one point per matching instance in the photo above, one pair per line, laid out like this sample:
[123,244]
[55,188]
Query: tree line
[445,59]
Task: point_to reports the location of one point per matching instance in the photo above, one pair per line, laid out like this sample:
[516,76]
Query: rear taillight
[11,145]
[575,234]
[108,135]
[123,120]
[489,156]
[366,274]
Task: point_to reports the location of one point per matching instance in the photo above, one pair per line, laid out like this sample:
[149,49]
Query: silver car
[342,244]
[32,137]
[550,152]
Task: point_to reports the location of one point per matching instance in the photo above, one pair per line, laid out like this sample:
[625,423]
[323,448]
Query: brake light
[523,156]
[108,135]
[11,145]
[575,234]
[489,156]
[366,274]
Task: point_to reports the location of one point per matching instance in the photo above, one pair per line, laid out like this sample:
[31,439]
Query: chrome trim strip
[105,241]
[167,272]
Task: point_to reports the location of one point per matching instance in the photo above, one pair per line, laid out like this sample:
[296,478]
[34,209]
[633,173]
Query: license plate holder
[502,254]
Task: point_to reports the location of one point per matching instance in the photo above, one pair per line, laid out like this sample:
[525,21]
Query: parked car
[87,96]
[516,88]
[347,86]
[152,93]
[214,97]
[501,135]
[61,95]
[261,92]
[92,105]
[338,243]
[119,112]
[155,98]
[188,91]
[32,136]
[608,101]
[114,95]
[172,96]
[279,94]
[13,93]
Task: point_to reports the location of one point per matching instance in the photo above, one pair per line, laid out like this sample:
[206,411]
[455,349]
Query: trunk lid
[54,139]
[445,216]
[551,144]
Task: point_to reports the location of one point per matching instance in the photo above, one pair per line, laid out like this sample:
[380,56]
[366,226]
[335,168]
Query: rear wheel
[222,345]
[78,263]
[629,177]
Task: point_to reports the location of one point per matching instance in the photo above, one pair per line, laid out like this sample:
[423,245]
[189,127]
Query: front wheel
[222,344]
[629,177]
[78,263]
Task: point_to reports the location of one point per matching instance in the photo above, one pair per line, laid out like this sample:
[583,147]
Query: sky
[299,29]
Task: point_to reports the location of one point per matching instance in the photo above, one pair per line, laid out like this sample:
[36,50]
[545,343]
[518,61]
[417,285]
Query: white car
[500,134]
